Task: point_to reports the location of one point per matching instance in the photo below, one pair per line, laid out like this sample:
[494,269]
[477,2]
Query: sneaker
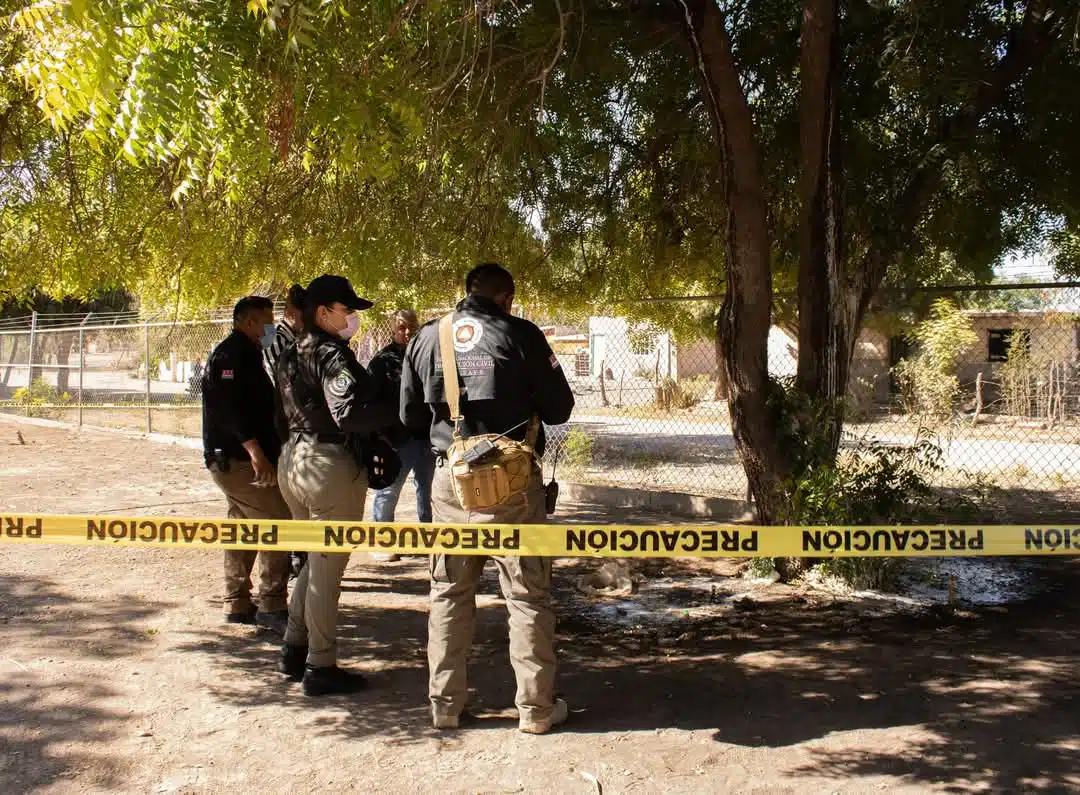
[275,621]
[559,713]
[330,680]
[293,661]
[385,557]
[443,721]
[247,617]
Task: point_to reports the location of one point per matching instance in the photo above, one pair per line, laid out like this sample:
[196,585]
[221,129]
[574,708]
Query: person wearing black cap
[326,402]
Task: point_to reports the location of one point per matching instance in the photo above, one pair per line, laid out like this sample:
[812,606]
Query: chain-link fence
[996,381]
[137,376]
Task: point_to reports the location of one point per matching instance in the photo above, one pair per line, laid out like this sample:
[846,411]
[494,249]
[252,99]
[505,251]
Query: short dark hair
[249,304]
[489,279]
[295,297]
[404,314]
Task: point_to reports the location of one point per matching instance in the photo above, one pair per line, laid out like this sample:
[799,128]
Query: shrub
[928,382]
[873,484]
[577,449]
[40,399]
[672,394]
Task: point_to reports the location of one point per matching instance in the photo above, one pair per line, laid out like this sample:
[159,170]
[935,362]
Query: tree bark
[743,323]
[63,358]
[721,365]
[11,360]
[829,316]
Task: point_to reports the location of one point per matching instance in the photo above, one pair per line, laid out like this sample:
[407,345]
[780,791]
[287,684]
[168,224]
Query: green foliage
[873,484]
[203,149]
[869,483]
[642,339]
[39,400]
[802,426]
[1023,375]
[577,451]
[928,382]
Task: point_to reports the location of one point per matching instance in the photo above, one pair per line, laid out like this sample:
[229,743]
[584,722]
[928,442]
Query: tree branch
[1028,45]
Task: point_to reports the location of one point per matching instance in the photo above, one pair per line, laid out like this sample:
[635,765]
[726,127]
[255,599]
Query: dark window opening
[1001,340]
[900,347]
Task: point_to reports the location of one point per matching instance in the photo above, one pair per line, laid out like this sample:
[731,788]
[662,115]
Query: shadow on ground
[1016,505]
[38,722]
[993,692]
[986,699]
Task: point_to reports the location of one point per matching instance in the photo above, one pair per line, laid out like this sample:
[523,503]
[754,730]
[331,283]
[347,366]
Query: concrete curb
[692,506]
[191,443]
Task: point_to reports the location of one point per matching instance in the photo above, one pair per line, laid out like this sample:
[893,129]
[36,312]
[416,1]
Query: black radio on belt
[218,460]
[551,496]
[480,451]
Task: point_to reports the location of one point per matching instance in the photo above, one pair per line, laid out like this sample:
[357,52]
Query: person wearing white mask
[240,447]
[328,407]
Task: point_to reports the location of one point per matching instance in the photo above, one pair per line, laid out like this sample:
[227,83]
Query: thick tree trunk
[63,357]
[11,360]
[721,365]
[743,324]
[829,300]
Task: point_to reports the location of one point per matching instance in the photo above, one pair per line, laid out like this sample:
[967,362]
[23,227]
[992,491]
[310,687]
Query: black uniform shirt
[284,336]
[237,401]
[324,390]
[506,370]
[385,368]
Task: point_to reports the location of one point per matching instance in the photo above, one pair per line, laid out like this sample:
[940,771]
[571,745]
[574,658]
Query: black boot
[292,662]
[247,617]
[275,621]
[330,680]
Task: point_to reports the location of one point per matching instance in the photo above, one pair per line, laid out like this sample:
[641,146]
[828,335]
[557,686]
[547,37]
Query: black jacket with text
[507,373]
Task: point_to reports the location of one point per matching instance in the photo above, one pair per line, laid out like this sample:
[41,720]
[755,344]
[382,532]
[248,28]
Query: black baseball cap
[328,289]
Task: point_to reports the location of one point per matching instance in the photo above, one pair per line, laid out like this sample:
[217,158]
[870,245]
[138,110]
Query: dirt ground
[116,674]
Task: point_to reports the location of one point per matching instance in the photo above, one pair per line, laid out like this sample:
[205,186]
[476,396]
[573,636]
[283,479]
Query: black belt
[320,438]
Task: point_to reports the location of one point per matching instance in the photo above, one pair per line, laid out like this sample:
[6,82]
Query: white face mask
[352,325]
[269,332]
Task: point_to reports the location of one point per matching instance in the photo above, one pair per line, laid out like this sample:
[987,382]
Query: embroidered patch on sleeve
[339,387]
[555,362]
[226,373]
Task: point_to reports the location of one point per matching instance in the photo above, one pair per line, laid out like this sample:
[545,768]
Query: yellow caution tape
[667,541]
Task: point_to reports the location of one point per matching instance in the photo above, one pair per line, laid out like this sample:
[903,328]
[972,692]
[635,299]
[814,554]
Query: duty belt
[319,438]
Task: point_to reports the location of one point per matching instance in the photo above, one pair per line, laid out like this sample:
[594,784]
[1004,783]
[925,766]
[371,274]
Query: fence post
[978,398]
[30,359]
[146,338]
[82,357]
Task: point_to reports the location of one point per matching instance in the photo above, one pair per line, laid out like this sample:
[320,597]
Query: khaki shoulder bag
[490,469]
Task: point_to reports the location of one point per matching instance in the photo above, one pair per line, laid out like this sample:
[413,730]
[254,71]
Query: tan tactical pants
[526,586]
[320,481]
[247,501]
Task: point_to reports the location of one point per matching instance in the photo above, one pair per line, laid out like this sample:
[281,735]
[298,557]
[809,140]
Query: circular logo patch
[467,332]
